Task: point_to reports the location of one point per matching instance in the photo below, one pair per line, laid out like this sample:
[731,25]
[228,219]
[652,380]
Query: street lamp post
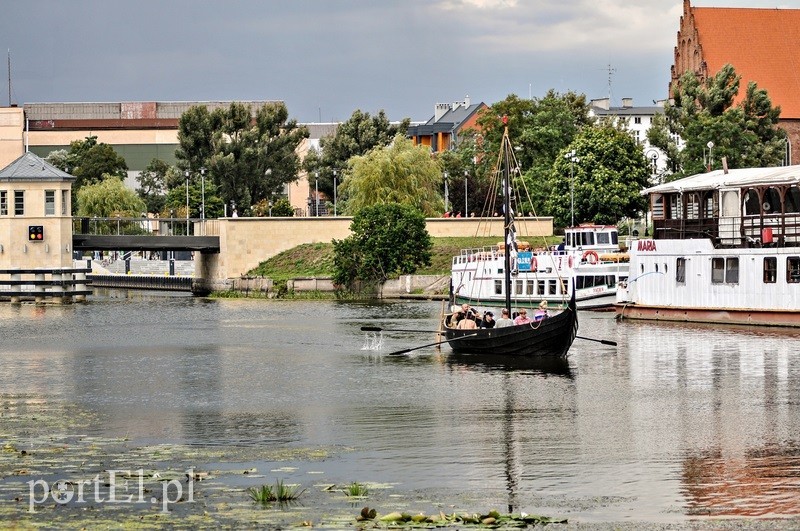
[270,208]
[445,192]
[186,174]
[203,198]
[309,205]
[466,209]
[316,194]
[572,158]
[334,193]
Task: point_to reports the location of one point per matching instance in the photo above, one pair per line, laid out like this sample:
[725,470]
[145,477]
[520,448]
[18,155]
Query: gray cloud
[328,58]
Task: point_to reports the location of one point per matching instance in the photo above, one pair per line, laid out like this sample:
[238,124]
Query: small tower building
[35,215]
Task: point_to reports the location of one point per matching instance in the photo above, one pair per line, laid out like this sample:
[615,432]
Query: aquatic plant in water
[356,489]
[492,519]
[281,493]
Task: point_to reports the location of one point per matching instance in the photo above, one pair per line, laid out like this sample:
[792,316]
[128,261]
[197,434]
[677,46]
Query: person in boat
[541,312]
[467,324]
[504,320]
[488,320]
[522,317]
[561,246]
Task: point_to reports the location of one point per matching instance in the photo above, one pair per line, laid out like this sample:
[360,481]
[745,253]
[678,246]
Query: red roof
[763,45]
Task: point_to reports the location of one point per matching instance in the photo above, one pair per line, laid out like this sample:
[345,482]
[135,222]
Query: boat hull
[550,337]
[709,315]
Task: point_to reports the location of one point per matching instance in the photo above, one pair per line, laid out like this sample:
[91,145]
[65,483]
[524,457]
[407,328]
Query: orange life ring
[534,264]
[591,257]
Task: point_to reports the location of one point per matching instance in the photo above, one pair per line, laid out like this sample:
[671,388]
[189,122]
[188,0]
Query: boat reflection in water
[513,409]
[730,401]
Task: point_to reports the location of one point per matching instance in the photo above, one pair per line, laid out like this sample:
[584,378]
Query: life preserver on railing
[534,264]
[591,257]
[571,260]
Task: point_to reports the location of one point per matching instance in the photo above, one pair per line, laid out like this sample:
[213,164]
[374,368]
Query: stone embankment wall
[423,286]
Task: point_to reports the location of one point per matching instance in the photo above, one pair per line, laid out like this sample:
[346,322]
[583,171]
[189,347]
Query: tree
[356,136]
[540,129]
[90,162]
[704,117]
[400,173]
[386,240]
[109,198]
[248,154]
[606,181]
[152,185]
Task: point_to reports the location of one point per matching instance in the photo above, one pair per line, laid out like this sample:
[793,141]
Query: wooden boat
[552,336]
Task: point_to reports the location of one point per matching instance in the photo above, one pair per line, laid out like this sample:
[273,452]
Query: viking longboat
[551,336]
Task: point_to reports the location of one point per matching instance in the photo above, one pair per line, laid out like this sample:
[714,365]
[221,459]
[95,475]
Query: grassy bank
[316,259]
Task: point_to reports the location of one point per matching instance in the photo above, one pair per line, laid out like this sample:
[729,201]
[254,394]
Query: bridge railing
[118,226]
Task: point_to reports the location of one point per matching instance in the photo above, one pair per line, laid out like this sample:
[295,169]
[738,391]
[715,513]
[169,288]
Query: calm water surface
[675,422]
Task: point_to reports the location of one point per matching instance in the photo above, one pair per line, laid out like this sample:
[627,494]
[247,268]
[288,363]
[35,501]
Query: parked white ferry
[591,261]
[725,249]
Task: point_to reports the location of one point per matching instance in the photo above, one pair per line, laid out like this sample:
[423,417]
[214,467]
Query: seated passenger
[522,318]
[504,320]
[466,324]
[541,313]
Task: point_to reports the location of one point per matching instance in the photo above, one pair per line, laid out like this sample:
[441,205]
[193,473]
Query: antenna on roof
[610,73]
[9,77]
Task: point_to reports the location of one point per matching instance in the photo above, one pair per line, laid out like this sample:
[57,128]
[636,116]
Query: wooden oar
[603,341]
[379,329]
[405,351]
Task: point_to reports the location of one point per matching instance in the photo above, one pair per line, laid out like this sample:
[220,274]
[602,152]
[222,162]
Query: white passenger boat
[725,249]
[591,262]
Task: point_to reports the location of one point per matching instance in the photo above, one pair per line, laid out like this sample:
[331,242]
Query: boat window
[770,270]
[717,270]
[562,287]
[579,282]
[529,287]
[732,270]
[540,287]
[708,207]
[692,206]
[611,281]
[752,206]
[657,206]
[675,207]
[518,285]
[792,202]
[614,239]
[730,204]
[793,269]
[680,271]
[587,238]
[498,287]
[772,201]
[551,287]
[603,238]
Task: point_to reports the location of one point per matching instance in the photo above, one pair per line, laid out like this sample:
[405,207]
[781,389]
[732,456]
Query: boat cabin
[748,207]
[600,238]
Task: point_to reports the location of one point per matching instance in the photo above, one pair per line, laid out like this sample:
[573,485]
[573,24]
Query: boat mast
[507,219]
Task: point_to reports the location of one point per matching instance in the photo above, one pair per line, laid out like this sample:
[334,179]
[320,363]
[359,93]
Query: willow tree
[399,173]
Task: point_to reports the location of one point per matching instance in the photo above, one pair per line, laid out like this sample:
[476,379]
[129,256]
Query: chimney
[627,103]
[602,103]
[467,101]
[439,110]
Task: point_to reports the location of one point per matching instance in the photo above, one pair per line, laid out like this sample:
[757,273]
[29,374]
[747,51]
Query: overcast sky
[327,58]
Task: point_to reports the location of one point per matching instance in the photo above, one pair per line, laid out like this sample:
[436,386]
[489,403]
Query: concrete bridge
[228,248]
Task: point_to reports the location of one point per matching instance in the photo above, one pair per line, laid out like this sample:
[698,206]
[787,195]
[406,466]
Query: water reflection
[677,421]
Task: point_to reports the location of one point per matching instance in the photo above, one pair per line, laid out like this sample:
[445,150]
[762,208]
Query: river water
[676,422]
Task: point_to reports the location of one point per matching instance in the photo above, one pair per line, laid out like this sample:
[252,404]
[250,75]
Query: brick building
[761,44]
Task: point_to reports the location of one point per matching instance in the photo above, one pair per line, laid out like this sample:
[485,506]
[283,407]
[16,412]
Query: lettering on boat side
[646,245]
